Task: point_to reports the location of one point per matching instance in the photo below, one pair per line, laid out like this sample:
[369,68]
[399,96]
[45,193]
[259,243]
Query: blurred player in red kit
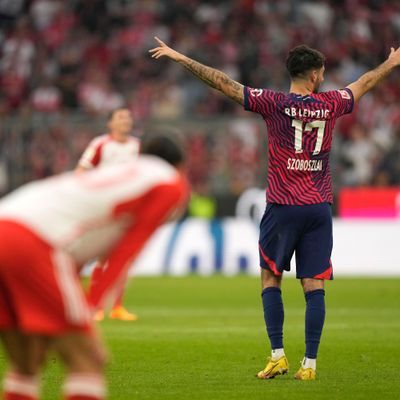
[298,215]
[49,229]
[116,147]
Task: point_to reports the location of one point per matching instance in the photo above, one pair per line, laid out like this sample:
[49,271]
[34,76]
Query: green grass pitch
[204,338]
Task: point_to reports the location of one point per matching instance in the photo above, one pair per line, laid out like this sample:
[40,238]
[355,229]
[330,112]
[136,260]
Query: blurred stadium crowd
[65,64]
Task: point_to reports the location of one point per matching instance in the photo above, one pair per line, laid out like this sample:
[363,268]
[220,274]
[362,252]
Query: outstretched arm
[212,77]
[370,79]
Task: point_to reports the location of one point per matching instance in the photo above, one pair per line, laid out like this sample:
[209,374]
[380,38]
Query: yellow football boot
[274,368]
[122,314]
[305,374]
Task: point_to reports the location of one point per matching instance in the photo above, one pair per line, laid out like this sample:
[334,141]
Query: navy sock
[315,318]
[273,315]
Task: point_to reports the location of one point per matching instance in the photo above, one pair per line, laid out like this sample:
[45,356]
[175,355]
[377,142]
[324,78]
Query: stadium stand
[64,65]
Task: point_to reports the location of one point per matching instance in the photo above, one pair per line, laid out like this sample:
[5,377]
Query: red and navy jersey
[299,141]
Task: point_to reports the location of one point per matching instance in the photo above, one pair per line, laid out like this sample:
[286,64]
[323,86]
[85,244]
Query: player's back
[299,142]
[87,213]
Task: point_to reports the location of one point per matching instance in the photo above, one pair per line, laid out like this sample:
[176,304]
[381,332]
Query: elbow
[368,85]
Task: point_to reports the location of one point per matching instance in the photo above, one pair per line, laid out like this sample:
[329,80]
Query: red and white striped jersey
[104,150]
[108,212]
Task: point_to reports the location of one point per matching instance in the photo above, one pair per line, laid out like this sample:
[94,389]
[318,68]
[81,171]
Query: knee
[312,284]
[268,279]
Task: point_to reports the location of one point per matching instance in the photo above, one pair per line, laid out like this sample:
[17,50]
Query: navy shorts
[304,230]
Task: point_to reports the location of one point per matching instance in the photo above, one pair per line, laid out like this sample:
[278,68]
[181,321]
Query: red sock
[94,280]
[20,387]
[120,292]
[118,300]
[96,274]
[17,396]
[84,387]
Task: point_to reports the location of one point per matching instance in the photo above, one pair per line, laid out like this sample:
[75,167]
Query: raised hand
[211,76]
[371,78]
[394,55]
[164,50]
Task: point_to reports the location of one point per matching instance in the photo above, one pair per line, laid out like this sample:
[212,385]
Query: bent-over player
[48,230]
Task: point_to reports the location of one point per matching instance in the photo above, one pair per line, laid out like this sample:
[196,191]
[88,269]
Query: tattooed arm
[370,79]
[212,77]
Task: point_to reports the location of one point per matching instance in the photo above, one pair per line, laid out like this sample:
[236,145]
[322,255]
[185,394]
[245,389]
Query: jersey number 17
[298,134]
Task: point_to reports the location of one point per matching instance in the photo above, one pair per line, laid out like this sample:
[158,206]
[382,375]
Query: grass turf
[204,338]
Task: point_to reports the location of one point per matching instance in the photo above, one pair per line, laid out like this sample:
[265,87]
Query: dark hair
[302,59]
[112,112]
[163,146]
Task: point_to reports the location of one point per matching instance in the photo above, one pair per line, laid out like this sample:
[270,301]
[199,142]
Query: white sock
[309,363]
[277,353]
[24,386]
[85,385]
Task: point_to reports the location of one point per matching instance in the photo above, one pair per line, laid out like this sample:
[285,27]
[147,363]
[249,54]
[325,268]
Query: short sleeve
[91,156]
[343,101]
[153,210]
[261,101]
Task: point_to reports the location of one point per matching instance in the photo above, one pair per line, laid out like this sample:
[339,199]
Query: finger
[159,41]
[153,50]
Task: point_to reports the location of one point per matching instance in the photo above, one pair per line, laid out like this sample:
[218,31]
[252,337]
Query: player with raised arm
[48,230]
[299,192]
[118,146]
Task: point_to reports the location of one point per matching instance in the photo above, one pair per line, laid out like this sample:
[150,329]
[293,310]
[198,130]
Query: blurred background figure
[115,147]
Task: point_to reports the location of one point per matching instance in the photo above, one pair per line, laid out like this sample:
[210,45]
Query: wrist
[392,63]
[180,58]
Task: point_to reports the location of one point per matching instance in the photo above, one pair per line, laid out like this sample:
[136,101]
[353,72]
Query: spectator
[388,171]
[93,54]
[359,155]
[96,94]
[19,51]
[46,98]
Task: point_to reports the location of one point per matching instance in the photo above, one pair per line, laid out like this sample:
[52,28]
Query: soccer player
[118,146]
[48,231]
[299,194]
